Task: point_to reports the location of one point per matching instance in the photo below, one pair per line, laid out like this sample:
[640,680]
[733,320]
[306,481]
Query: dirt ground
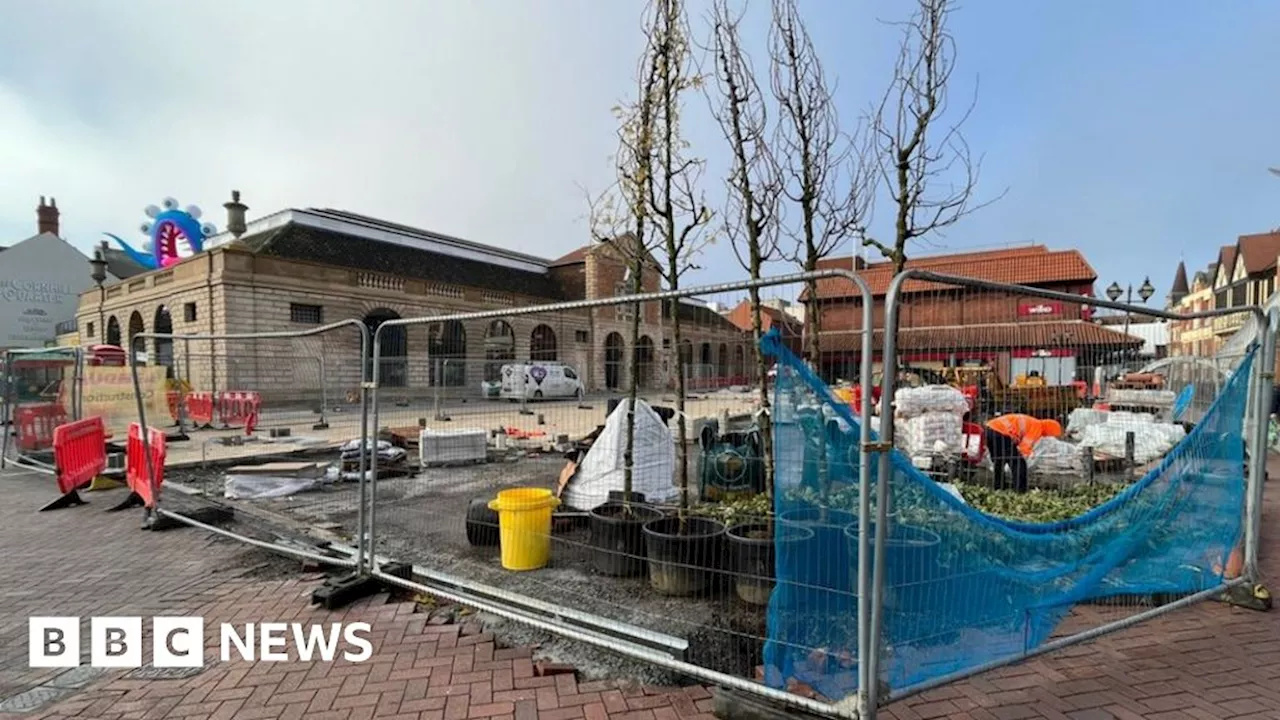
[421,519]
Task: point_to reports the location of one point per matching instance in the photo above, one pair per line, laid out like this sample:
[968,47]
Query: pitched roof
[1180,286]
[294,241]
[1030,265]
[572,258]
[1259,251]
[121,266]
[1226,259]
[1070,333]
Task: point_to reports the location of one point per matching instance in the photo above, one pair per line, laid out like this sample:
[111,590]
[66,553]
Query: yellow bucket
[524,526]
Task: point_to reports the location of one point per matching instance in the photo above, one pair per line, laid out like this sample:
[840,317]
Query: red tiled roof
[997,336]
[1226,260]
[1259,251]
[1032,265]
[573,258]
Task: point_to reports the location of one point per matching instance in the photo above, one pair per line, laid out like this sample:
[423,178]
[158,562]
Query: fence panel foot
[70,499]
[338,592]
[132,501]
[1250,597]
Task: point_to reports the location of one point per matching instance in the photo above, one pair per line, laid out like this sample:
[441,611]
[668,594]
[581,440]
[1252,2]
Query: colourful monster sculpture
[170,225]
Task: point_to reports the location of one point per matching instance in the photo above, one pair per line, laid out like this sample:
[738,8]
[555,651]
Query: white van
[540,380]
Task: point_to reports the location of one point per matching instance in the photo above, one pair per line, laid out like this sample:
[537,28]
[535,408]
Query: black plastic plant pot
[617,538]
[752,547]
[911,565]
[683,561]
[817,575]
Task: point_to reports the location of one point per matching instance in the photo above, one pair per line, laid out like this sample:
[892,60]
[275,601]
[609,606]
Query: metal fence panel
[523,411]
[1134,522]
[270,425]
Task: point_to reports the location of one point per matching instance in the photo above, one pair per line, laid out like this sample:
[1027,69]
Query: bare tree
[826,170]
[622,217]
[680,213]
[754,184]
[924,161]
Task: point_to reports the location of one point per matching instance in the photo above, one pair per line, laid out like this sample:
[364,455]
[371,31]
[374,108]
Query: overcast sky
[1139,131]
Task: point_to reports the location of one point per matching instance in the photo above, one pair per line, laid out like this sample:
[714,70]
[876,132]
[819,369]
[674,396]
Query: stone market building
[296,270]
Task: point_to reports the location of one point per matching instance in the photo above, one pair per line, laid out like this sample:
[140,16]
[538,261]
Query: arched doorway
[614,349]
[499,348]
[542,344]
[113,331]
[447,348]
[644,361]
[739,361]
[136,326]
[164,346]
[393,349]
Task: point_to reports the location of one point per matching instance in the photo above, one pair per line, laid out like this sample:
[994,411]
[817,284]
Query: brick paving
[1208,661]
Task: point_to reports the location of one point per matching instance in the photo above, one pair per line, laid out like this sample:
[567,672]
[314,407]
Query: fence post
[442,367]
[524,389]
[324,397]
[7,406]
[1265,374]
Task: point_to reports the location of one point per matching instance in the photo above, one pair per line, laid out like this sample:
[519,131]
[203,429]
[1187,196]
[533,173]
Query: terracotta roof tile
[1226,259]
[573,258]
[1034,265]
[1259,251]
[998,336]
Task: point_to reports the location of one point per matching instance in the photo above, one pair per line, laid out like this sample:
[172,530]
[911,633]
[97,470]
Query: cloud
[475,119]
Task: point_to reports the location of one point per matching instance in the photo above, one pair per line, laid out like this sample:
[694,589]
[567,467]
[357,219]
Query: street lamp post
[99,274]
[1145,292]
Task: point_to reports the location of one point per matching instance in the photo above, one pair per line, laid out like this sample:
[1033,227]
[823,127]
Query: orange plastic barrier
[239,407]
[79,455]
[36,424]
[144,489]
[200,408]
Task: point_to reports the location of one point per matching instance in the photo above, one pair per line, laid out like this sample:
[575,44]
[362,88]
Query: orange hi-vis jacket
[1022,429]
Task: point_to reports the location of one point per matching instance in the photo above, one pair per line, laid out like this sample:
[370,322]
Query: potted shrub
[617,537]
[753,546]
[684,553]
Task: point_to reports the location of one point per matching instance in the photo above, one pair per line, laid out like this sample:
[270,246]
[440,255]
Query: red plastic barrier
[175,400]
[79,455]
[238,407]
[146,488]
[200,408]
[36,424]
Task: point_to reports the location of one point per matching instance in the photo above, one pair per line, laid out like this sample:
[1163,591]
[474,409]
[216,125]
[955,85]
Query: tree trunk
[813,317]
[681,424]
[762,367]
[633,389]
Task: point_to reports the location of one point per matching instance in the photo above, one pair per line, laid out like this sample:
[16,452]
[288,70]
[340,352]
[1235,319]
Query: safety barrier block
[239,407]
[200,409]
[36,424]
[79,455]
[144,487]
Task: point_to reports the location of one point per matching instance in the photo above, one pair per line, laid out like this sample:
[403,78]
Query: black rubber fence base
[341,591]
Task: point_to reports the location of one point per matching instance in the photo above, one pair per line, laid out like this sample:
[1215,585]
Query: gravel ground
[421,519]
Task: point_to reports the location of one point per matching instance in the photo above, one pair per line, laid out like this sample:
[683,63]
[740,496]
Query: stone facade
[233,290]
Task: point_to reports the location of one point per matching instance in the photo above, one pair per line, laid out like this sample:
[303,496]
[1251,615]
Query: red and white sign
[1039,309]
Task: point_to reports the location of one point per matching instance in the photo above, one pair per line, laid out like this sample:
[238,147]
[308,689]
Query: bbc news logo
[179,642]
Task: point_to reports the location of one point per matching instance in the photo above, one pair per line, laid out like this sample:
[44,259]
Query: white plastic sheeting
[603,469]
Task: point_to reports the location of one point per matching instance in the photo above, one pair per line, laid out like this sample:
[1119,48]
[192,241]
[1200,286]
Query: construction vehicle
[994,397]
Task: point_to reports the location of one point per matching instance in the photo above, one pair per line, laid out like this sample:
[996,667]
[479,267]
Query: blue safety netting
[963,588]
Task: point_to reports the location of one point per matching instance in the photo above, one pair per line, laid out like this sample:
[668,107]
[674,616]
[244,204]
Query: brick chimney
[47,216]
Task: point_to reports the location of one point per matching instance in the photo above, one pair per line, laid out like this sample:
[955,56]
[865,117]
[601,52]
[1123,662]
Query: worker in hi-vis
[1011,440]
